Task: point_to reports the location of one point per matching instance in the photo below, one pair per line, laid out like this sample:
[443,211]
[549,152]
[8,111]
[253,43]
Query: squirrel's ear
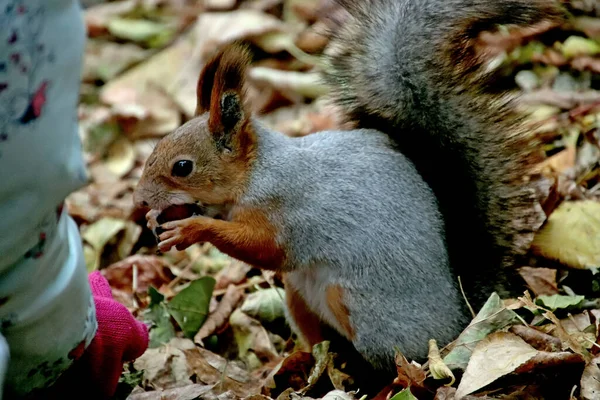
[205,85]
[225,76]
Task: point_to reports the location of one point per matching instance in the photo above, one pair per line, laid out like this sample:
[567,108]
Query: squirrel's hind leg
[305,323]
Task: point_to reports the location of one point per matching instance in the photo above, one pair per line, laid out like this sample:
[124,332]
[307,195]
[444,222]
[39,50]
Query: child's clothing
[47,313]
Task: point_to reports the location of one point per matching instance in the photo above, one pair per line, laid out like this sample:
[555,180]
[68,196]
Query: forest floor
[217,325]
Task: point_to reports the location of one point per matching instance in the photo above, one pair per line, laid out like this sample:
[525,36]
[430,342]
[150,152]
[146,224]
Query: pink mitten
[120,338]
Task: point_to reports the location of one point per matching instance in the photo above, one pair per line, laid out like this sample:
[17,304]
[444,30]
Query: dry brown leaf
[409,374]
[497,355]
[151,271]
[121,157]
[211,31]
[167,366]
[180,393]
[506,41]
[544,360]
[104,60]
[226,375]
[449,393]
[221,315]
[539,340]
[338,378]
[233,273]
[586,63]
[254,345]
[564,100]
[291,372]
[541,281]
[561,162]
[572,341]
[590,381]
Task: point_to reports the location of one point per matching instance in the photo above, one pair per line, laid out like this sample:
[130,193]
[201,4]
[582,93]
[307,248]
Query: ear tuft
[224,72]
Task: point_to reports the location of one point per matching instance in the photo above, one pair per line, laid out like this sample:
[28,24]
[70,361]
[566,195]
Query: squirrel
[358,222]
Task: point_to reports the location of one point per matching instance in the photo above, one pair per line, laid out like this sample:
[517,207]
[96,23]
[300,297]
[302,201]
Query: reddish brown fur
[335,301]
[249,237]
[307,322]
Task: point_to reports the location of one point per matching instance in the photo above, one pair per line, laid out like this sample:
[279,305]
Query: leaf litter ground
[217,325]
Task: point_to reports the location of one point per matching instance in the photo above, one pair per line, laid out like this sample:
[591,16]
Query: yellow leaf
[437,367]
[572,235]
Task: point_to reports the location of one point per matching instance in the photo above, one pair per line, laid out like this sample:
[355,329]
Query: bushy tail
[413,69]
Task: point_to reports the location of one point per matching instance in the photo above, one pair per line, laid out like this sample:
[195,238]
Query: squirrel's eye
[182,168]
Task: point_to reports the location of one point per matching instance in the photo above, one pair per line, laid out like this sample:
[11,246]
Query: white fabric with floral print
[47,313]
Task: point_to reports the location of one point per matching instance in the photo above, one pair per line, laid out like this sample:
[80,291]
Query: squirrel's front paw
[181,233]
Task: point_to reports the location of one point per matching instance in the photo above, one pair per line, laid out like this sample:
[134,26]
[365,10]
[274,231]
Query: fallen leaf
[211,31]
[127,382]
[571,235]
[221,315]
[254,345]
[150,33]
[266,305]
[219,5]
[492,317]
[581,329]
[404,395]
[590,381]
[190,306]
[449,393]
[120,157]
[291,372]
[322,357]
[338,395]
[338,379]
[544,360]
[537,339]
[180,393]
[100,233]
[541,281]
[161,330]
[437,368]
[578,46]
[105,60]
[557,301]
[305,84]
[97,17]
[152,271]
[166,366]
[232,273]
[225,375]
[504,351]
[562,161]
[586,63]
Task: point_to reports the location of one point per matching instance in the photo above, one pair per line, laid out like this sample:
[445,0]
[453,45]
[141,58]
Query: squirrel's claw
[151,217]
[181,234]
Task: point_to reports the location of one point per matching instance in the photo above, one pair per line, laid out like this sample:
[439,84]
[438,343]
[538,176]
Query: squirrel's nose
[138,201]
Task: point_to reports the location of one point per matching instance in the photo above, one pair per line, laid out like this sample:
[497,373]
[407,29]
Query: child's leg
[47,312]
[48,317]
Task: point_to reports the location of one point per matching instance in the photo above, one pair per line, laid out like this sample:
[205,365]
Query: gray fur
[353,211]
